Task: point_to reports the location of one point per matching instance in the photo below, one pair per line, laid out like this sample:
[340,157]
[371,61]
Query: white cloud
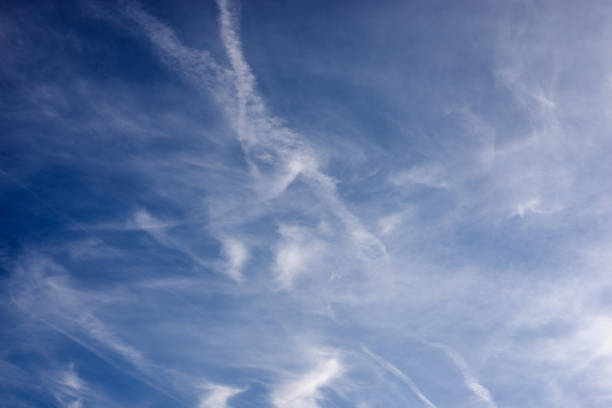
[72,390]
[401,375]
[70,379]
[388,223]
[534,206]
[297,251]
[507,307]
[43,290]
[470,379]
[236,255]
[157,229]
[305,390]
[462,150]
[217,396]
[277,156]
[431,175]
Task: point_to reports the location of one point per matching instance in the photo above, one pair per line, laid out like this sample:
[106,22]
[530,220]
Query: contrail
[399,374]
[470,380]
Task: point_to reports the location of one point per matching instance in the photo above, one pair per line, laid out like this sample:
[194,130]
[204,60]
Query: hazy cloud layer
[306,205]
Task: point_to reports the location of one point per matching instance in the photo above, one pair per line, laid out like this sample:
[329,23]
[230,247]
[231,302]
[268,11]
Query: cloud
[152,221]
[72,390]
[155,228]
[533,206]
[471,382]
[70,379]
[388,223]
[217,396]
[304,391]
[399,374]
[236,255]
[276,155]
[431,175]
[463,149]
[194,64]
[298,250]
[42,290]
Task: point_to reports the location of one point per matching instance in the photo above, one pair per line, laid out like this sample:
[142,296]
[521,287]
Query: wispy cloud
[156,229]
[471,382]
[236,255]
[399,374]
[42,291]
[298,250]
[179,216]
[217,396]
[304,391]
[277,155]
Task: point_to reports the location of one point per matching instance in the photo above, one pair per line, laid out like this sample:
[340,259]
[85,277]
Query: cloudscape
[306,204]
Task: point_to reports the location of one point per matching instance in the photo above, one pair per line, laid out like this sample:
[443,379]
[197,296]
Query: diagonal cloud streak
[277,156]
[401,375]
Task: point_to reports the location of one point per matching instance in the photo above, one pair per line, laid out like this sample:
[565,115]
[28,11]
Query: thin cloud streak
[277,156]
[304,391]
[182,238]
[470,379]
[399,374]
[62,309]
[217,396]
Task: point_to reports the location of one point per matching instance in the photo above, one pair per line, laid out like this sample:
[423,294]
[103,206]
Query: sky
[305,204]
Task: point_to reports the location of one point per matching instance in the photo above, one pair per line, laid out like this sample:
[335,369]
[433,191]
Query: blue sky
[302,204]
